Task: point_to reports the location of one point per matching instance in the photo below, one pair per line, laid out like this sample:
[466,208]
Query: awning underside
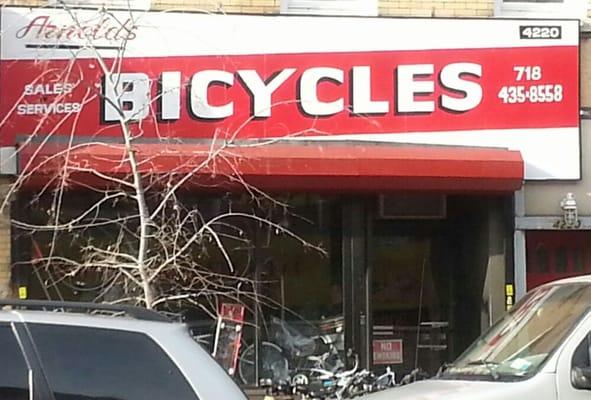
[298,166]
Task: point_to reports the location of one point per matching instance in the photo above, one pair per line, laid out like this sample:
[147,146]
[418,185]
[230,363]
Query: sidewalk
[261,394]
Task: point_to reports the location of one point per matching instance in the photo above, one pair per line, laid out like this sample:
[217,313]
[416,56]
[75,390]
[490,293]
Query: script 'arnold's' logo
[43,28]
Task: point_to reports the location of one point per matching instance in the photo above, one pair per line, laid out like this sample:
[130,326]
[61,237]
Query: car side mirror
[581,378]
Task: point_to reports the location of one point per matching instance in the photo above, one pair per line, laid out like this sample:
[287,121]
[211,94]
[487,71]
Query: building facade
[420,258]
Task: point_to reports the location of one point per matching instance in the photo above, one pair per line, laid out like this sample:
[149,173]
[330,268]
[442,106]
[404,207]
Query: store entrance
[409,295]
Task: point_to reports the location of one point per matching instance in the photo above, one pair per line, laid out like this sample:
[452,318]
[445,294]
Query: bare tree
[138,236]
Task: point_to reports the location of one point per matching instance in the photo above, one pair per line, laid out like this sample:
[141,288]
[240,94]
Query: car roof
[206,376]
[575,279]
[89,320]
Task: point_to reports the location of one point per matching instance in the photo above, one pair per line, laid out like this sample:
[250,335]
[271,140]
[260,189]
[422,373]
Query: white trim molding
[548,223]
[8,164]
[519,253]
[520,278]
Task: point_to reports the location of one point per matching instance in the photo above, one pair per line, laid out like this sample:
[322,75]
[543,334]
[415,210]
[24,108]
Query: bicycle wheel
[274,364]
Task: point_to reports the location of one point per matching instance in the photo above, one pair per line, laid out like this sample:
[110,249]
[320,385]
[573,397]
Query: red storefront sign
[387,351]
[331,93]
[459,82]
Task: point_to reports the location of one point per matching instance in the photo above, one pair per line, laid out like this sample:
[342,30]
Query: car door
[576,352]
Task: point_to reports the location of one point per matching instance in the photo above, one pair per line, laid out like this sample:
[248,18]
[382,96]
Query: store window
[286,272]
[300,308]
[541,262]
[579,260]
[561,254]
[554,255]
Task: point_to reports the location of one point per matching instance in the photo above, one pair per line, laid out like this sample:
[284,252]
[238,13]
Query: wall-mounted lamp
[570,214]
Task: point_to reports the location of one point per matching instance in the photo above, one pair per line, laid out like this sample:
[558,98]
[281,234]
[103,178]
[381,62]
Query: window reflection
[579,260]
[561,259]
[542,259]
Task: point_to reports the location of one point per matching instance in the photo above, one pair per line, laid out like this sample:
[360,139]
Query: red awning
[297,166]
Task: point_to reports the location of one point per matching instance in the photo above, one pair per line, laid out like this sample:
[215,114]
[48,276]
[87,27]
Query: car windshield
[516,346]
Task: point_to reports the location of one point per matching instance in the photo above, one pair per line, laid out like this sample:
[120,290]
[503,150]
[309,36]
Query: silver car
[48,352]
[539,350]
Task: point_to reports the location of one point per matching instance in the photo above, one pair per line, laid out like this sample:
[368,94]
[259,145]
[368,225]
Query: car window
[13,368]
[581,356]
[103,364]
[520,343]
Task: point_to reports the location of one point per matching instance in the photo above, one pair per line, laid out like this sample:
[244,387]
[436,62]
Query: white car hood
[540,387]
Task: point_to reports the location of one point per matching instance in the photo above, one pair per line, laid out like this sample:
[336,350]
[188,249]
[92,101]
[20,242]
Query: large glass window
[13,369]
[84,363]
[298,278]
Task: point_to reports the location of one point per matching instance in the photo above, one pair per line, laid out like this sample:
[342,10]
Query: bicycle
[274,365]
[318,383]
[290,353]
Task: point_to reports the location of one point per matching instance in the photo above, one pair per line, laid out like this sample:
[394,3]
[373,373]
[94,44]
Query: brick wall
[5,288]
[437,8]
[23,2]
[229,6]
[422,8]
[585,72]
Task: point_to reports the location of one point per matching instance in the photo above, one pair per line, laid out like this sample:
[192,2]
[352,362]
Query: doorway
[409,295]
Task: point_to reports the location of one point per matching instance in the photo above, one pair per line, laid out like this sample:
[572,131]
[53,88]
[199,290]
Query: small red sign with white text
[387,351]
